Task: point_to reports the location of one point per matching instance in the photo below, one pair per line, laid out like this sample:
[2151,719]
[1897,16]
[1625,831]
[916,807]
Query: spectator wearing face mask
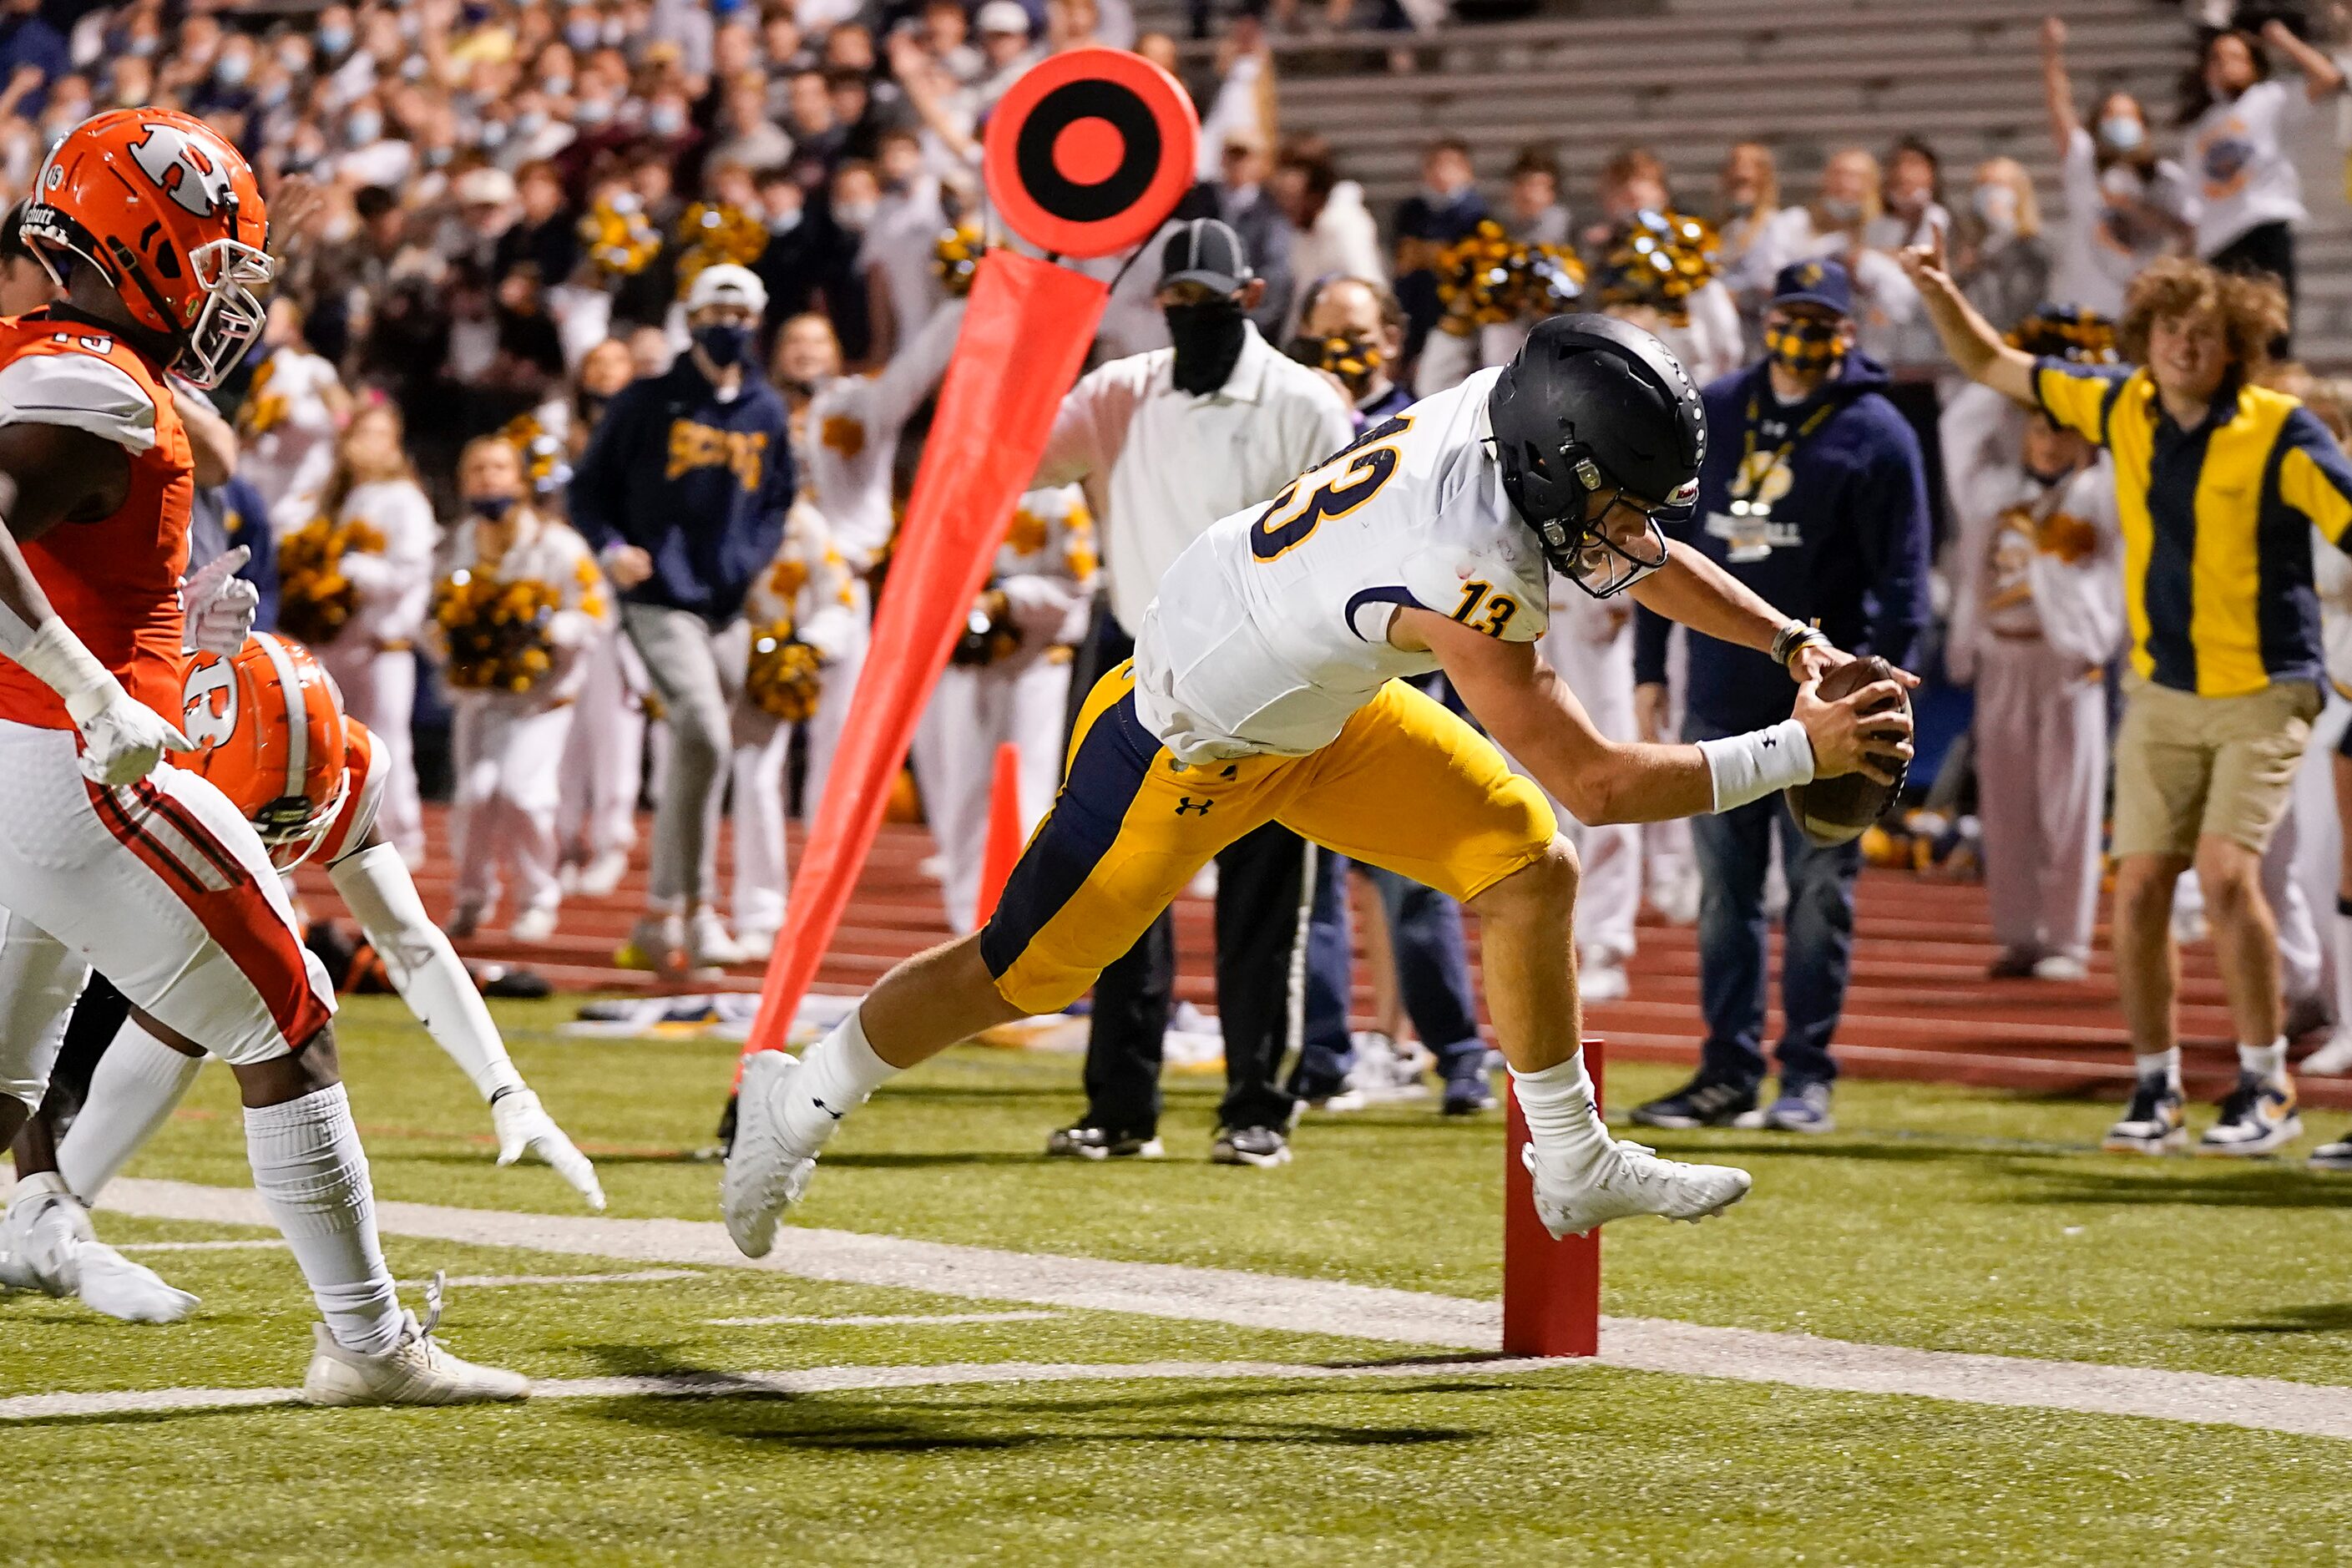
[2002,263]
[1243,202]
[2125,206]
[2249,196]
[683,491]
[1166,443]
[853,199]
[1333,235]
[744,134]
[1004,28]
[1755,230]
[1445,208]
[902,285]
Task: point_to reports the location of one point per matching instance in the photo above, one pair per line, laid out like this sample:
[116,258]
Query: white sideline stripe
[814,1380]
[253,1244]
[1328,1307]
[501,1282]
[876,1319]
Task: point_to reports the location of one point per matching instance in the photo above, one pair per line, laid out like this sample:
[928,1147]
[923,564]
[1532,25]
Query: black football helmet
[1591,405]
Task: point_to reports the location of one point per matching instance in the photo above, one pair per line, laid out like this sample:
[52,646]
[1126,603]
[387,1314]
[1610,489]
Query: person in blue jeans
[1814,494]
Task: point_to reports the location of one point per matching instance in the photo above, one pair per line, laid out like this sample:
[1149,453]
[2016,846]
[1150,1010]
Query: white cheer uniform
[604,754]
[809,592]
[287,430]
[2038,614]
[1045,569]
[510,745]
[1590,644]
[374,657]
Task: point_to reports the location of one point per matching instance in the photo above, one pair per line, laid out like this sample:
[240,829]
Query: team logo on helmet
[187,171]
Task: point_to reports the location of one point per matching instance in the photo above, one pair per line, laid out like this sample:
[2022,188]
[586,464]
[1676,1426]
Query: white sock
[2343,930]
[836,1075]
[1558,1105]
[2269,1061]
[2165,1065]
[131,1093]
[422,967]
[311,1170]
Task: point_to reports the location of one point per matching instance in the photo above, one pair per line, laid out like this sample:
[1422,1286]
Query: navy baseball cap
[1822,283]
[1204,251]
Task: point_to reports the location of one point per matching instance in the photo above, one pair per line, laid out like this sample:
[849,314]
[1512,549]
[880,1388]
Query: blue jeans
[1734,849]
[1433,974]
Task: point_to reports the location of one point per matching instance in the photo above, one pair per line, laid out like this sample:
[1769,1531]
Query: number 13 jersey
[1271,629]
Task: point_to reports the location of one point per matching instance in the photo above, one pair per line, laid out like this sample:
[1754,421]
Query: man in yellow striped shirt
[2220,481]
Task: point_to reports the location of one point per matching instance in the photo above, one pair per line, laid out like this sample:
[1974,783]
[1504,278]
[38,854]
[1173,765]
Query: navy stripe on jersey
[2286,605]
[1401,597]
[2171,598]
[1107,772]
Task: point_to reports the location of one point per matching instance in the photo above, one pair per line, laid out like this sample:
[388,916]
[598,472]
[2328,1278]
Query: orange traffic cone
[1003,847]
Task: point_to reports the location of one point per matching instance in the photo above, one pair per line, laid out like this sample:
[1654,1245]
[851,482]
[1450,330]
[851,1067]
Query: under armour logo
[1186,803]
[1770,741]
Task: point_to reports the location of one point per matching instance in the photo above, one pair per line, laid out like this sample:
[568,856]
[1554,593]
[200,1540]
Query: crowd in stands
[490,215]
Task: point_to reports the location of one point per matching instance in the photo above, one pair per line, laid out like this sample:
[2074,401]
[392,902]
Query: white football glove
[524,1127]
[122,738]
[217,605]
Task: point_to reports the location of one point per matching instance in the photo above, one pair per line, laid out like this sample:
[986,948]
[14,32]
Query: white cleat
[524,1127]
[534,925]
[600,876]
[46,1244]
[767,1170]
[708,945]
[416,1371]
[1631,1180]
[2335,1057]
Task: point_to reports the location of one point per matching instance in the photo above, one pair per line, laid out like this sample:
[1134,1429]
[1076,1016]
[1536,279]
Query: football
[1839,810]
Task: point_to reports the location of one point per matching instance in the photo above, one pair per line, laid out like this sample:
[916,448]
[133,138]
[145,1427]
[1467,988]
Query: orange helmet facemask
[268,727]
[171,216]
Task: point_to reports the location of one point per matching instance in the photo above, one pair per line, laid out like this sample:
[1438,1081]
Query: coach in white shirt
[1165,443]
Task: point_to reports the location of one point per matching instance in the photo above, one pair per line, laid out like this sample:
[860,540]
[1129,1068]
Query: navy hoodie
[1845,545]
[698,483]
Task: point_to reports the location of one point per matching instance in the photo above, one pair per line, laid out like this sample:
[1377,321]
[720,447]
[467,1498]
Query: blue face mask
[230,70]
[556,86]
[530,123]
[438,157]
[2122,132]
[491,509]
[363,128]
[722,343]
[581,33]
[667,120]
[335,40]
[494,133]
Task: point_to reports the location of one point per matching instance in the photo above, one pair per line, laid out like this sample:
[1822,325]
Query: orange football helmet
[170,214]
[268,727]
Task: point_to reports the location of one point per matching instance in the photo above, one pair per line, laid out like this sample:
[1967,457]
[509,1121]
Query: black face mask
[491,509]
[591,409]
[722,344]
[1208,338]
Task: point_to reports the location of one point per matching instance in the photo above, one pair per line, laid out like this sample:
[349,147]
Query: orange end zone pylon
[1551,1289]
[1003,846]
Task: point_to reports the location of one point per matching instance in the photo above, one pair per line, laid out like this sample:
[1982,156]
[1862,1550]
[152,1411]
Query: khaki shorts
[2188,767]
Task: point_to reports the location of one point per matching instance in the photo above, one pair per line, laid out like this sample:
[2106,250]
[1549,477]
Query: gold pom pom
[496,632]
[785,676]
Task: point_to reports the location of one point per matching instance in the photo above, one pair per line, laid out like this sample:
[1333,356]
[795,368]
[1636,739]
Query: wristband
[59,658]
[1759,763]
[1793,637]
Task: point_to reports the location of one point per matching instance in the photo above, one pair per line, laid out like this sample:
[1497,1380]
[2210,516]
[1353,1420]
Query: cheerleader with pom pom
[522,598]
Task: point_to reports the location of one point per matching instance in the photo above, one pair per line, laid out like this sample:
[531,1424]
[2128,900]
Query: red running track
[1919,1007]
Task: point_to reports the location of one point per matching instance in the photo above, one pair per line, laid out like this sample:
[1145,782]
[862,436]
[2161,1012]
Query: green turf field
[1941,1219]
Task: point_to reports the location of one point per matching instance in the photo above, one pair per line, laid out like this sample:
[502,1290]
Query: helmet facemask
[234,276]
[1607,550]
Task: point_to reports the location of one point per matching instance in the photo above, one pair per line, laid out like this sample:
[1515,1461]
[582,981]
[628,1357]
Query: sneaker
[1602,982]
[1467,1095]
[2258,1117]
[414,1370]
[2335,1057]
[1630,1179]
[600,876]
[2015,964]
[2336,1156]
[2153,1123]
[1081,1142]
[1263,1147]
[656,944]
[1702,1102]
[2061,967]
[1801,1107]
[46,1244]
[1384,1068]
[708,945]
[532,925]
[766,1171]
[757,942]
[1677,897]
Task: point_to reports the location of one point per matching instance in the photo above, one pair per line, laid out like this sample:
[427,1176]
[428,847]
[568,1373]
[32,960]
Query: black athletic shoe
[1263,1147]
[1467,1095]
[1084,1142]
[1702,1102]
[727,1129]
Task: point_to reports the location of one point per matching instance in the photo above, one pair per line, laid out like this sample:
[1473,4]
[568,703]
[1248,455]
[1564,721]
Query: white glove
[217,605]
[524,1127]
[122,740]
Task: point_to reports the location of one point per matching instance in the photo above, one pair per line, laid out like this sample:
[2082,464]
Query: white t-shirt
[847,443]
[2103,244]
[395,587]
[2039,561]
[289,430]
[1272,629]
[2245,178]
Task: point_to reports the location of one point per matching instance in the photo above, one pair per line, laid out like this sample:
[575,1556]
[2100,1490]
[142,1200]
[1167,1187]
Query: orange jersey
[115,582]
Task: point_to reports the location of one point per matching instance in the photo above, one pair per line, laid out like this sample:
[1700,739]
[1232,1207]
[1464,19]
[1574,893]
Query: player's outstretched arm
[1533,715]
[49,475]
[430,977]
[1691,589]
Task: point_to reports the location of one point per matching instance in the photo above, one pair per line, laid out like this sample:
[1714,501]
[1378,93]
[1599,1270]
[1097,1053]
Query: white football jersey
[1272,628]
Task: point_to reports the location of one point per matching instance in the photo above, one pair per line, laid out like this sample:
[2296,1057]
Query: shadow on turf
[2268,1185]
[2318,1317]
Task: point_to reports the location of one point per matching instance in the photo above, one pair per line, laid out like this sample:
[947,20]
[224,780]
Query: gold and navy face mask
[1352,360]
[1803,345]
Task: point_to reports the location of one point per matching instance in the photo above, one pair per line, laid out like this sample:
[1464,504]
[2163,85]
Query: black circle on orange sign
[1090,151]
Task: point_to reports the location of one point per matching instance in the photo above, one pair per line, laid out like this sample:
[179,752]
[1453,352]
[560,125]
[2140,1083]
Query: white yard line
[1328,1307]
[251,1244]
[878,1320]
[503,1281]
[813,1380]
